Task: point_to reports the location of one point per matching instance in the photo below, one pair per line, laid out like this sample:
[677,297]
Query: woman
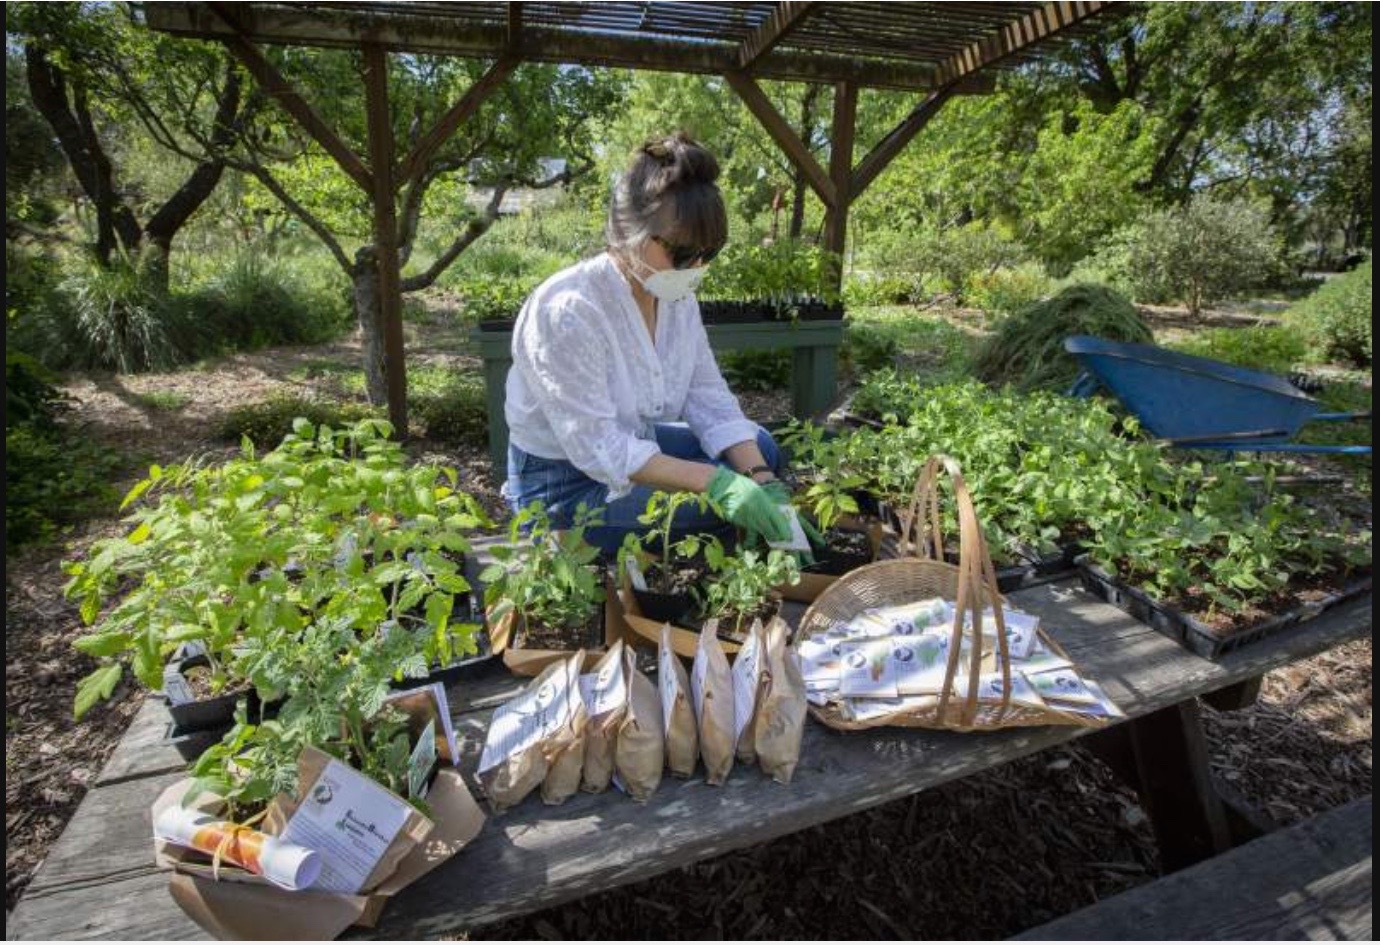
[614,393]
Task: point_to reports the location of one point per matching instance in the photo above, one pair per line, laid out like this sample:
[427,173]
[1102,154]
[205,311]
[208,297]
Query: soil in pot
[211,710]
[535,636]
[738,633]
[848,549]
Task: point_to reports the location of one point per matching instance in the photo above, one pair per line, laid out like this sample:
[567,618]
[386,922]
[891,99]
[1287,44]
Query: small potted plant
[661,573]
[544,593]
[744,586]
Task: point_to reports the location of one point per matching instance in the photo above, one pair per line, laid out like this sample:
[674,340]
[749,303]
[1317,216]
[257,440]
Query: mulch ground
[983,858]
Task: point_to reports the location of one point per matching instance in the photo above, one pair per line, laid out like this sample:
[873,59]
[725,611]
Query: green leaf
[103,644]
[96,687]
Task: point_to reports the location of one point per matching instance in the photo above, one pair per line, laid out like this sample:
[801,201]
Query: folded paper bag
[244,906]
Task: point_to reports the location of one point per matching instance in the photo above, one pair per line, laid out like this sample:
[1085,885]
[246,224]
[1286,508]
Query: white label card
[797,541]
[522,722]
[350,821]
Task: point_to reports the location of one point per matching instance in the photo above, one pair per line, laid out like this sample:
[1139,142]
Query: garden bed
[1214,636]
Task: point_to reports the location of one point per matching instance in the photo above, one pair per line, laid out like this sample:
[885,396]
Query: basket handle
[921,531]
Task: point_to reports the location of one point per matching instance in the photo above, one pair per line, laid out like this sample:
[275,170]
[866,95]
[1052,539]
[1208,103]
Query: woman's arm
[684,475]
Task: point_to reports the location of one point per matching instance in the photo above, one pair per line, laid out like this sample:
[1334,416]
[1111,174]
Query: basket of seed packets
[916,642]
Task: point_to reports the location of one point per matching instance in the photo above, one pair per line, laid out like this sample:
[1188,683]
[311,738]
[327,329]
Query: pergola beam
[784,135]
[401,32]
[1034,27]
[885,150]
[774,29]
[475,96]
[514,27]
[381,145]
[273,83]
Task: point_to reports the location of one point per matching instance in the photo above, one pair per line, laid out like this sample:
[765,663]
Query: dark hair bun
[679,161]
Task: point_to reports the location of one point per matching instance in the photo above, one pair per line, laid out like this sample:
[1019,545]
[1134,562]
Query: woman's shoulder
[569,298]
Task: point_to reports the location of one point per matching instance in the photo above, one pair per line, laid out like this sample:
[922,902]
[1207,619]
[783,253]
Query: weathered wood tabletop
[99,880]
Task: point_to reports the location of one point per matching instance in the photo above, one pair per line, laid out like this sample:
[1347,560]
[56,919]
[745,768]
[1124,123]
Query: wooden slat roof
[908,45]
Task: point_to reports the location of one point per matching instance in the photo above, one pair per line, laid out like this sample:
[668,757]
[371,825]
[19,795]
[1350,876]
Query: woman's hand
[748,505]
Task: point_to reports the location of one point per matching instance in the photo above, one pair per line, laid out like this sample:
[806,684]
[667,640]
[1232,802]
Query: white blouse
[587,382]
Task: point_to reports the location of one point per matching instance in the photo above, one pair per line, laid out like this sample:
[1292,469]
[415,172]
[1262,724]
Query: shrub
[31,396]
[1203,252]
[266,422]
[116,319]
[1264,348]
[456,413]
[53,478]
[1027,349]
[259,301]
[1336,318]
[866,349]
[756,370]
[872,289]
[487,297]
[1007,290]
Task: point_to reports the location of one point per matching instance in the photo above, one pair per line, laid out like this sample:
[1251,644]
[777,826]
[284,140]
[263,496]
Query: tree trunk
[369,313]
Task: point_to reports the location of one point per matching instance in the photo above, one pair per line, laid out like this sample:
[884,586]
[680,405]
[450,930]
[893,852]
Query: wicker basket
[972,584]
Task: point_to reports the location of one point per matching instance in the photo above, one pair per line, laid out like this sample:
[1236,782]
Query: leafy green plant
[867,348]
[756,370]
[267,422]
[548,579]
[1009,289]
[777,272]
[1337,318]
[659,516]
[54,477]
[456,413]
[1027,349]
[741,585]
[248,556]
[31,392]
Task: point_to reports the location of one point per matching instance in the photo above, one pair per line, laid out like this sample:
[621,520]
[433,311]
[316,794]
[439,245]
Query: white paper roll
[283,864]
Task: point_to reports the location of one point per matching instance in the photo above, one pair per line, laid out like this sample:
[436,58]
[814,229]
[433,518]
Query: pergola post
[380,125]
[841,173]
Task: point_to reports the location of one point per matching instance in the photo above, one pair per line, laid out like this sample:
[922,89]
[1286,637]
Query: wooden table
[99,881]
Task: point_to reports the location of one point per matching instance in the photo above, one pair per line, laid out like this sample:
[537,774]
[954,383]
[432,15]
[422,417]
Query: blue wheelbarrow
[1201,403]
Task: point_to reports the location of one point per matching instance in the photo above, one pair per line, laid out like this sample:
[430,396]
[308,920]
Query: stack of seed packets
[894,659]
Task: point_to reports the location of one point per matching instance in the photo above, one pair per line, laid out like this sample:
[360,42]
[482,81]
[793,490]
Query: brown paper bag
[567,759]
[639,755]
[747,688]
[682,740]
[605,693]
[781,709]
[711,690]
[519,745]
[247,907]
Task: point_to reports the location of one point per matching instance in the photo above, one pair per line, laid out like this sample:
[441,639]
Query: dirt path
[985,858]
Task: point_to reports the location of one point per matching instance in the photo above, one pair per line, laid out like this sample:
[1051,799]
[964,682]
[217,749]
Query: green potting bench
[814,376]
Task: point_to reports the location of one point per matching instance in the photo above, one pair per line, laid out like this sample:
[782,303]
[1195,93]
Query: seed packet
[1041,659]
[711,690]
[862,710]
[566,756]
[605,696]
[780,723]
[919,662]
[682,739]
[868,671]
[1105,707]
[747,686]
[821,662]
[908,619]
[1062,686]
[639,754]
[514,758]
[990,688]
[1021,630]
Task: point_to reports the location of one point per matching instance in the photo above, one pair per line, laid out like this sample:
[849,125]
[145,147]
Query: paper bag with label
[711,689]
[517,748]
[566,756]
[747,686]
[639,755]
[242,905]
[682,740]
[605,693]
[780,722]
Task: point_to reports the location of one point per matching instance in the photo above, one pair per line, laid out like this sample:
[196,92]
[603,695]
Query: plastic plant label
[635,575]
[175,687]
[420,762]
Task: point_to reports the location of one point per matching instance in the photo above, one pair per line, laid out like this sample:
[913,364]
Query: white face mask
[672,285]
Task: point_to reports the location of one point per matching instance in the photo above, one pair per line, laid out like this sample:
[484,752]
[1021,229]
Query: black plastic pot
[1198,637]
[837,563]
[497,324]
[1059,562]
[216,714]
[667,608]
[727,312]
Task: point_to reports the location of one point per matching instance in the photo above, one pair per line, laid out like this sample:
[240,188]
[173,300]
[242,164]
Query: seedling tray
[1194,635]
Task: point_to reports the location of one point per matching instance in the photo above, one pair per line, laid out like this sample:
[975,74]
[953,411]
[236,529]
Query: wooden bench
[1309,881]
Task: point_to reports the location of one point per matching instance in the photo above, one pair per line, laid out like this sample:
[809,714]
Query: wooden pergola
[936,50]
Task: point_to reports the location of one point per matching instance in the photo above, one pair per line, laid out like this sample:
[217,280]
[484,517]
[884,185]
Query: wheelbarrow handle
[1358,415]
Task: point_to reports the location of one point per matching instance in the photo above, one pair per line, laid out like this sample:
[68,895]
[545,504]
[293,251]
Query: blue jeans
[561,487]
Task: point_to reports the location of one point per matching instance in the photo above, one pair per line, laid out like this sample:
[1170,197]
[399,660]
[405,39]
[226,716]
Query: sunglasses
[683,256]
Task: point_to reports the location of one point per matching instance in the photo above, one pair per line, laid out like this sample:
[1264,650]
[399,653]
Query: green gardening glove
[747,505]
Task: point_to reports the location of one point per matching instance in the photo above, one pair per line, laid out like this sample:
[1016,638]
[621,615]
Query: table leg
[814,380]
[1164,756]
[1241,695]
[495,393]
